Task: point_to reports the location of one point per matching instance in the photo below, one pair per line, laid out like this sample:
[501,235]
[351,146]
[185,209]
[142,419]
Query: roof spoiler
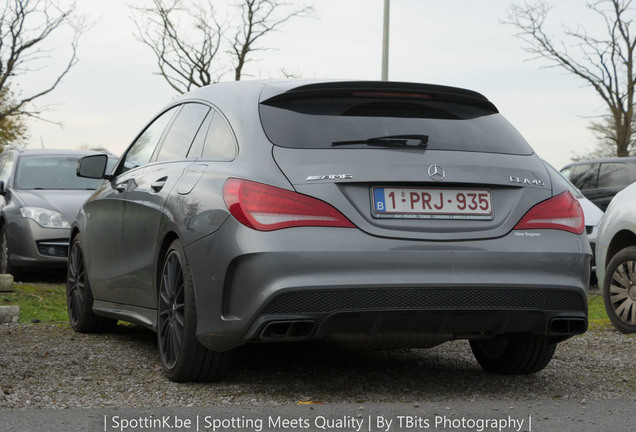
[386,89]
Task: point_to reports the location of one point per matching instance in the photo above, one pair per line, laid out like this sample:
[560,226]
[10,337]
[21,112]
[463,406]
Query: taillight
[562,212]
[267,208]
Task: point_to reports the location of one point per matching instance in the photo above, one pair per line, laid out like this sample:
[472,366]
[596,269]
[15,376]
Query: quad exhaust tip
[568,326]
[288,330]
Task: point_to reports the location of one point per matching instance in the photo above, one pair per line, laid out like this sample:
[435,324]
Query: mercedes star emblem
[436,172]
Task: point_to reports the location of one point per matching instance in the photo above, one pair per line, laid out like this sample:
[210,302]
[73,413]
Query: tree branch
[604,64]
[24,26]
[185,52]
[260,17]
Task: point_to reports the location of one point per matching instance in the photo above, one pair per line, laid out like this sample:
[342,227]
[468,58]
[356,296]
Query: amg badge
[514,179]
[330,177]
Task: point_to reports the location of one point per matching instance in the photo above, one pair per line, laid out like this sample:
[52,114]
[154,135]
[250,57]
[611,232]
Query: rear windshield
[319,122]
[53,172]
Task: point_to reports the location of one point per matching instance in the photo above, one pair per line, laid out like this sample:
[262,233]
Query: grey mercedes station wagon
[372,214]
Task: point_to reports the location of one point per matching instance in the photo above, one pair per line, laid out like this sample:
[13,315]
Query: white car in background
[616,258]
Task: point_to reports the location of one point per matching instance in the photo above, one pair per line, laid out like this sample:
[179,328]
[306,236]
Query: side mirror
[93,166]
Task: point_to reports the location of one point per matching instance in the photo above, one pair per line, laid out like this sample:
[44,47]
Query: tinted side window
[197,144]
[219,141]
[142,149]
[182,132]
[584,176]
[613,174]
[215,139]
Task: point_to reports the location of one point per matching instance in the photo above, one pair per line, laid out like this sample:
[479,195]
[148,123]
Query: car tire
[5,254]
[513,355]
[79,297]
[183,357]
[619,290]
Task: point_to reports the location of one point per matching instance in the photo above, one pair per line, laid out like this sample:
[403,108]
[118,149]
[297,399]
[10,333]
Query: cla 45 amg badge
[330,177]
[514,179]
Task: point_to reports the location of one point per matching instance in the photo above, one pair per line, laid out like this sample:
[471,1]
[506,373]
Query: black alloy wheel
[171,310]
[79,298]
[182,355]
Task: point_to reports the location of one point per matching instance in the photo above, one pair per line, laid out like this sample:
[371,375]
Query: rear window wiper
[401,141]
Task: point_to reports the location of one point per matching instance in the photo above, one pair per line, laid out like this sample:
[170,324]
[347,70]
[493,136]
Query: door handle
[159,184]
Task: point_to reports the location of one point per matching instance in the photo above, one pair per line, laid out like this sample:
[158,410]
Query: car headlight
[44,217]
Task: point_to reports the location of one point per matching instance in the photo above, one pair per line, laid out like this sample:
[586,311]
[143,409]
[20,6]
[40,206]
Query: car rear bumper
[428,324]
[344,285]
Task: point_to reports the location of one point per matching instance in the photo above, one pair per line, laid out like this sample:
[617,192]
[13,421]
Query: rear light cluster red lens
[562,212]
[267,208]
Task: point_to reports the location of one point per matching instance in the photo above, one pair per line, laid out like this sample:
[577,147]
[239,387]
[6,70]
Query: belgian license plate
[432,203]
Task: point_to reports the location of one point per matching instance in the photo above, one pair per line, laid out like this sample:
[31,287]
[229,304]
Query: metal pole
[385,43]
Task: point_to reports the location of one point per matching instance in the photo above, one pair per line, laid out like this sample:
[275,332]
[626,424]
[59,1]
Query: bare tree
[188,41]
[24,27]
[184,57]
[606,63]
[604,132]
[260,17]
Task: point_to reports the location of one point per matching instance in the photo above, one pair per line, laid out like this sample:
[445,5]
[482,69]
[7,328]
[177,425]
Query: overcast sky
[113,90]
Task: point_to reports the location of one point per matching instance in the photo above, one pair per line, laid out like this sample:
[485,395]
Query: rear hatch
[406,161]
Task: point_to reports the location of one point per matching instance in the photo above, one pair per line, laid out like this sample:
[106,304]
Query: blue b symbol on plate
[378,200]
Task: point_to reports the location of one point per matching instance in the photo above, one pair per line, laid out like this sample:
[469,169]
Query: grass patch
[47,302]
[596,308]
[40,302]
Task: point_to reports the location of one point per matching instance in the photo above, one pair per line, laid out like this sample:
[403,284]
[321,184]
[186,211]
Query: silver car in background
[372,214]
[40,195]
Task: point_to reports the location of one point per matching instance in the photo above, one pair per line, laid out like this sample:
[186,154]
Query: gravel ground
[49,366]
